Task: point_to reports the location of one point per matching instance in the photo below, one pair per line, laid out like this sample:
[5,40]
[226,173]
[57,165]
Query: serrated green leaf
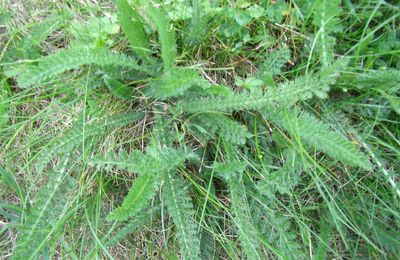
[118,89]
[142,190]
[133,28]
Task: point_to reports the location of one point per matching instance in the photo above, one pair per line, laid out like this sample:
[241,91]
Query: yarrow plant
[251,170]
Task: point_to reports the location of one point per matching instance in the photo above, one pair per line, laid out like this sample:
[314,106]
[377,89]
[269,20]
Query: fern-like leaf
[73,58]
[285,94]
[274,63]
[118,89]
[133,28]
[180,208]
[9,180]
[153,162]
[41,219]
[73,138]
[277,228]
[232,172]
[175,82]
[387,80]
[285,179]
[320,136]
[207,245]
[4,102]
[166,33]
[325,19]
[138,222]
[41,31]
[142,190]
[198,24]
[29,46]
[230,130]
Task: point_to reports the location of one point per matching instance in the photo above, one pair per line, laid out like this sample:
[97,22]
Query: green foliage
[133,28]
[269,220]
[277,10]
[73,58]
[227,158]
[277,228]
[160,161]
[41,31]
[385,82]
[325,20]
[175,82]
[8,179]
[42,219]
[142,190]
[325,234]
[232,172]
[135,224]
[96,32]
[284,179]
[320,136]
[286,94]
[388,80]
[198,23]
[4,102]
[154,162]
[274,62]
[166,33]
[180,208]
[207,245]
[78,134]
[230,130]
[118,89]
[29,46]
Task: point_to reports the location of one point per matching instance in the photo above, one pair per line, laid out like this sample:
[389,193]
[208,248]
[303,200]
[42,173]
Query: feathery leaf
[274,63]
[133,28]
[325,19]
[232,172]
[166,33]
[320,136]
[134,224]
[118,89]
[231,130]
[175,82]
[41,219]
[197,27]
[180,208]
[142,190]
[153,162]
[73,58]
[73,138]
[286,94]
[4,102]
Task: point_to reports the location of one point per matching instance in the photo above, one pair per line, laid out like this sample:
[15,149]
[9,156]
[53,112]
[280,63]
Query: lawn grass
[199,129]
